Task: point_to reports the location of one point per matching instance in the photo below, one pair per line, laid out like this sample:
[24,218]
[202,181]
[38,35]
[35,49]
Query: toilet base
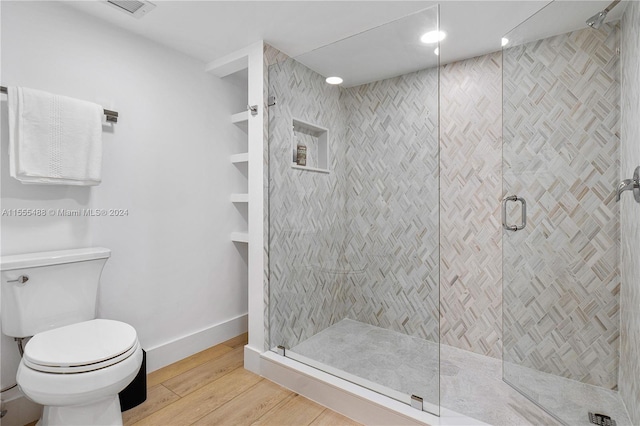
[104,412]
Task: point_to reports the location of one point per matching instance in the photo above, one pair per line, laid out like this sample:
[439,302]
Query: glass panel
[561,105]
[353,217]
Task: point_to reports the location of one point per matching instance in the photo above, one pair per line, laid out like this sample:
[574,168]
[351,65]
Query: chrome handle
[523,212]
[630,185]
[21,279]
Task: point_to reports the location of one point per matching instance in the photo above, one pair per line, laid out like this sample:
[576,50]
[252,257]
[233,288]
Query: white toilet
[75,365]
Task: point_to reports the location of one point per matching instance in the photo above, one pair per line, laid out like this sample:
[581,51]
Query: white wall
[173,270]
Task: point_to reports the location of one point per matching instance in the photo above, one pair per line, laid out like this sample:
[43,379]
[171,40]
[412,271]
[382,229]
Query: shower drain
[601,419]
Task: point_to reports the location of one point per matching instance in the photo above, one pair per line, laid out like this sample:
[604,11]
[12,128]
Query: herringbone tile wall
[391,251]
[392,204]
[361,242]
[470,192]
[561,138]
[306,209]
[630,215]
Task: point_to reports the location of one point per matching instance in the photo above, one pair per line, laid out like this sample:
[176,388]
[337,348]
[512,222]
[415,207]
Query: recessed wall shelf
[240,158]
[239,198]
[240,237]
[315,138]
[241,120]
[243,72]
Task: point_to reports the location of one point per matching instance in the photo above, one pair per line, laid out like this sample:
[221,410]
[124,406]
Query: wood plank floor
[212,388]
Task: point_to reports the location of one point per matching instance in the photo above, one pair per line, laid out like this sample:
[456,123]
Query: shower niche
[315,139]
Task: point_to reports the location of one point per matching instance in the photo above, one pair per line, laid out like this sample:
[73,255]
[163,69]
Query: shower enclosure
[426,232]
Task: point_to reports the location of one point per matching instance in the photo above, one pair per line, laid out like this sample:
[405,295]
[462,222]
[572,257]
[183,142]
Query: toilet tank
[62,289]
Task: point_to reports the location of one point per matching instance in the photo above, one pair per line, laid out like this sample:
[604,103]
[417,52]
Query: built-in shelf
[309,169]
[240,237]
[239,198]
[241,120]
[240,158]
[240,117]
[234,70]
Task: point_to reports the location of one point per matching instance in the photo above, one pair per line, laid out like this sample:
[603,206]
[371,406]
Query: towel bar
[112,116]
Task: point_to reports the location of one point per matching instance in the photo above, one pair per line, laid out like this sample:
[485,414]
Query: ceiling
[473,28]
[383,52]
[208,30]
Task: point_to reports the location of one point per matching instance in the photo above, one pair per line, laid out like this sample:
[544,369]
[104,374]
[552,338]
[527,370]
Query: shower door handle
[523,212]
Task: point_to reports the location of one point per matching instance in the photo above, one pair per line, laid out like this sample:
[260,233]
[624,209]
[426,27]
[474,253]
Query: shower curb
[349,399]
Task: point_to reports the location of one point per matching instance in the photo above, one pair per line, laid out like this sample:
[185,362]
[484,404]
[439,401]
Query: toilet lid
[81,347]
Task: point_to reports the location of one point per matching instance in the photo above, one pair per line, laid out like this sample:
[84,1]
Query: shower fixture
[596,20]
[632,184]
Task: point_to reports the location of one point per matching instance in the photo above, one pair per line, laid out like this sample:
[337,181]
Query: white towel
[54,139]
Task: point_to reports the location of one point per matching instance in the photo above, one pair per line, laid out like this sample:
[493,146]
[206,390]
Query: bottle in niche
[300,151]
[301,157]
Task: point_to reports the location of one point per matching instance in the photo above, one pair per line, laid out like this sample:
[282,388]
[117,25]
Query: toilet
[74,364]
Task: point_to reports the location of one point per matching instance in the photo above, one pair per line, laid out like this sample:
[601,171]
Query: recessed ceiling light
[437,51]
[333,80]
[505,41]
[433,37]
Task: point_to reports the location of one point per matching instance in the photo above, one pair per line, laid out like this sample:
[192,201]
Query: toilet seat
[82,347]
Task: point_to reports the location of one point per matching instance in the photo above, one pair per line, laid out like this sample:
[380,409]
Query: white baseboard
[358,403]
[252,360]
[177,349]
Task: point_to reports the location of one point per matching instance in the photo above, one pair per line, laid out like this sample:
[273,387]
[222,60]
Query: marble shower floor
[471,384]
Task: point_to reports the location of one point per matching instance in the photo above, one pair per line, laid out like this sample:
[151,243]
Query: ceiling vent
[134,8]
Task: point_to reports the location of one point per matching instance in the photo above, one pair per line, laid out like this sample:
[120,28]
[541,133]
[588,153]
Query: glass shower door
[561,104]
[354,210]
